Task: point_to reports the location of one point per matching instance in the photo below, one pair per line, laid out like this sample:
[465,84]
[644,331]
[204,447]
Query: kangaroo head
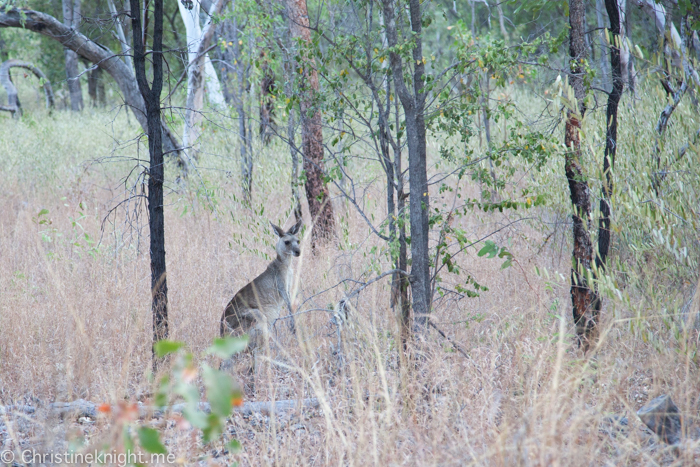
[288,244]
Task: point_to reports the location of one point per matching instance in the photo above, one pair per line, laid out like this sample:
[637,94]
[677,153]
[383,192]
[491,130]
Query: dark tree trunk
[413,104]
[582,294]
[604,233]
[317,194]
[71,18]
[156,221]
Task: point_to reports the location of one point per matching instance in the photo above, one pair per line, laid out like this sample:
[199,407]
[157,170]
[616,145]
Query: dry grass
[75,323]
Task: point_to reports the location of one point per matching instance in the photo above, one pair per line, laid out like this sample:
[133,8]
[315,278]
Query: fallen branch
[82,408]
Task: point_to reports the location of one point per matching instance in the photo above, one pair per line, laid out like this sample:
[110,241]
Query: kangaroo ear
[295,228]
[278,231]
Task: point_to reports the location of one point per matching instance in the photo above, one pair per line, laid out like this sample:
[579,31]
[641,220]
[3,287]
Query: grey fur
[258,304]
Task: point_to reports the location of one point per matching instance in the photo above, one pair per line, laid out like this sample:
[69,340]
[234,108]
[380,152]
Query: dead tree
[156,220]
[13,105]
[604,232]
[582,293]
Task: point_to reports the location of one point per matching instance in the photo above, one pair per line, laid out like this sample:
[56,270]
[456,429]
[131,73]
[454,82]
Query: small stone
[663,418]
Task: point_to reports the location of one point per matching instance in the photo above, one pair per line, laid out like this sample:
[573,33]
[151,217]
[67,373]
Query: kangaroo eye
[286,242]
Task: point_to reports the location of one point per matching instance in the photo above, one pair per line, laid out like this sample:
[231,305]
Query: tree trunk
[267,104]
[96,89]
[156,220]
[317,193]
[604,232]
[288,66]
[604,64]
[413,104]
[71,18]
[198,41]
[50,27]
[120,34]
[582,295]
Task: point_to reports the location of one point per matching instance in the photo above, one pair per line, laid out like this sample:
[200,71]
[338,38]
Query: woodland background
[500,206]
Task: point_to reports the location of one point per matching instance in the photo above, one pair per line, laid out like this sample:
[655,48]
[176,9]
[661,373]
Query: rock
[663,418]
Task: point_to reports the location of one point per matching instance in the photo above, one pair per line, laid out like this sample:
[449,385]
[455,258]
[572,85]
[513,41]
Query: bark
[96,88]
[198,41]
[604,233]
[267,103]
[288,66]
[604,64]
[582,294]
[71,18]
[13,104]
[156,220]
[667,112]
[413,103]
[120,34]
[501,21]
[102,56]
[402,282]
[317,193]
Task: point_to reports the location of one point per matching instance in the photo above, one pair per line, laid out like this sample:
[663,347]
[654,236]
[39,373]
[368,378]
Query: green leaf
[234,446]
[150,441]
[166,347]
[228,346]
[43,212]
[219,390]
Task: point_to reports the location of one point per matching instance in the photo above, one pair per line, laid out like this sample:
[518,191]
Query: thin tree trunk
[71,18]
[288,66]
[156,220]
[413,104]
[267,105]
[604,232]
[120,34]
[604,64]
[403,281]
[501,20]
[582,294]
[317,193]
[96,87]
[665,116]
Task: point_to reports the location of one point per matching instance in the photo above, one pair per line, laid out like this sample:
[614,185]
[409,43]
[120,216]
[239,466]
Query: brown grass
[75,323]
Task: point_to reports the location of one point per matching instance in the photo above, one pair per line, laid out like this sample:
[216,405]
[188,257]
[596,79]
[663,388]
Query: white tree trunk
[198,40]
[194,38]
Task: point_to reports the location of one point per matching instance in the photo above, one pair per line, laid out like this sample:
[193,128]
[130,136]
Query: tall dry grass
[75,321]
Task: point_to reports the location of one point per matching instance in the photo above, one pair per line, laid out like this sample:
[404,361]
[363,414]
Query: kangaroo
[258,304]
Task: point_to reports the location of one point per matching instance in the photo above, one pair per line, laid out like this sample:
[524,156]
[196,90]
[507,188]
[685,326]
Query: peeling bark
[582,294]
